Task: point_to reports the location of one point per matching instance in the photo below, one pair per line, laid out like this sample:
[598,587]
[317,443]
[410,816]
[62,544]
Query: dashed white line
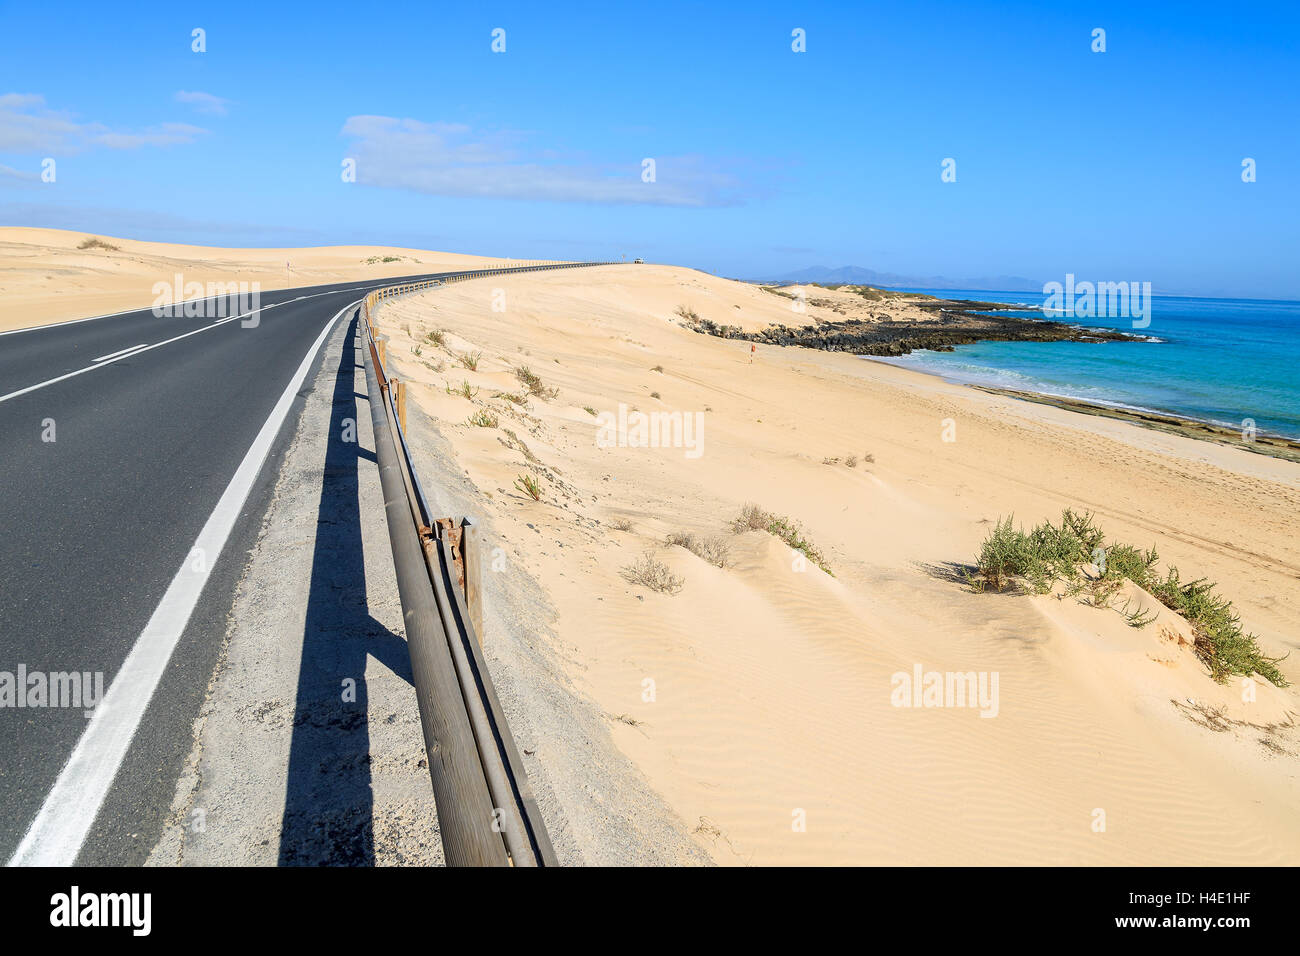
[121,353]
[59,830]
[107,360]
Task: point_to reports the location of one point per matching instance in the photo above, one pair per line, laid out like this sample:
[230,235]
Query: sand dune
[772,685]
[45,277]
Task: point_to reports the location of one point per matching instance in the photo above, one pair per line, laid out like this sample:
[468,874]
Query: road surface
[127,441]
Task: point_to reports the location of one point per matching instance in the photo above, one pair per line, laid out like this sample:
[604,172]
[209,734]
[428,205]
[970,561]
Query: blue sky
[1117,165]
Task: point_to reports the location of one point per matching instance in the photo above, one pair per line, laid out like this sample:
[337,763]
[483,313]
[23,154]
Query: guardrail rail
[486,811]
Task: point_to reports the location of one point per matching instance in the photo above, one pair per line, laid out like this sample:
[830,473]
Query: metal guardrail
[486,810]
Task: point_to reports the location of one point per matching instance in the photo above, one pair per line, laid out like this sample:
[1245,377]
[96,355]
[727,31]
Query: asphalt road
[98,523]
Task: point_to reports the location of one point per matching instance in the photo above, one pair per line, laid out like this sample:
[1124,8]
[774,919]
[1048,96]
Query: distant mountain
[856,275]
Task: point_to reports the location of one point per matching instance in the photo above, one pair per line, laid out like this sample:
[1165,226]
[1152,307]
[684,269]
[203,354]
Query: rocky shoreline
[958,322]
[1276,446]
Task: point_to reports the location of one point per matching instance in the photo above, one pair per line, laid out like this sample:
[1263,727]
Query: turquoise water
[1217,360]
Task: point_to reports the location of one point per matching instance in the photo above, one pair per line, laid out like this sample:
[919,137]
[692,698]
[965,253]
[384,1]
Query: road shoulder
[307,749]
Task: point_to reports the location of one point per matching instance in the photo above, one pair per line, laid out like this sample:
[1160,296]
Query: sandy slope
[45,278]
[772,685]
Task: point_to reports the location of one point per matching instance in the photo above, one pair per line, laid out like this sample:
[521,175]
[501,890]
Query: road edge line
[56,835]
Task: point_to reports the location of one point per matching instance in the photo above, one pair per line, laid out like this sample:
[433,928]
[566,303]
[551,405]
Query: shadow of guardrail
[328,812]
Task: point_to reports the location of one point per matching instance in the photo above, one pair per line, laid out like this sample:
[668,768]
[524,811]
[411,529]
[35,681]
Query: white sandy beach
[772,686]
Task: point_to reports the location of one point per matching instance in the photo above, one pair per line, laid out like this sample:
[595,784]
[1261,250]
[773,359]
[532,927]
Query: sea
[1233,362]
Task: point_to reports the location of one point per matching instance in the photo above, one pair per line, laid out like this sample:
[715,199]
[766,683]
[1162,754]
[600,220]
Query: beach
[761,698]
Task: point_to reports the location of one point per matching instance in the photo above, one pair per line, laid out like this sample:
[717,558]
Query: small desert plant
[590,411]
[1139,618]
[869,458]
[1125,561]
[470,360]
[654,394]
[621,524]
[529,486]
[754,518]
[851,461]
[483,418]
[657,368]
[1040,557]
[1220,641]
[528,378]
[531,381]
[651,573]
[518,443]
[417,351]
[436,337]
[514,398]
[1050,553]
[687,314]
[93,242]
[464,390]
[713,550]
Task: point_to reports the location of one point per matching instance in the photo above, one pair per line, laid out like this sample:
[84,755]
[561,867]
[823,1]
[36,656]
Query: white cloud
[28,126]
[9,172]
[203,102]
[16,100]
[164,134]
[447,159]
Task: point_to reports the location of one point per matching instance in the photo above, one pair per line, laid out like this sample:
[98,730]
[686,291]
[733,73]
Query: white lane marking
[56,835]
[108,360]
[93,318]
[109,315]
[122,353]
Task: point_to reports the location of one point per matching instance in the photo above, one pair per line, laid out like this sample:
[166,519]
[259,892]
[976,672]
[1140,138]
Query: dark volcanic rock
[953,327]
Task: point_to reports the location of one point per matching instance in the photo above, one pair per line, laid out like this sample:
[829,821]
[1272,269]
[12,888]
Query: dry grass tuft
[533,382]
[651,573]
[716,551]
[754,518]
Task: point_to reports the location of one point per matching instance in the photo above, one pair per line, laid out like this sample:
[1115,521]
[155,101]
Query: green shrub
[1051,553]
[1220,641]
